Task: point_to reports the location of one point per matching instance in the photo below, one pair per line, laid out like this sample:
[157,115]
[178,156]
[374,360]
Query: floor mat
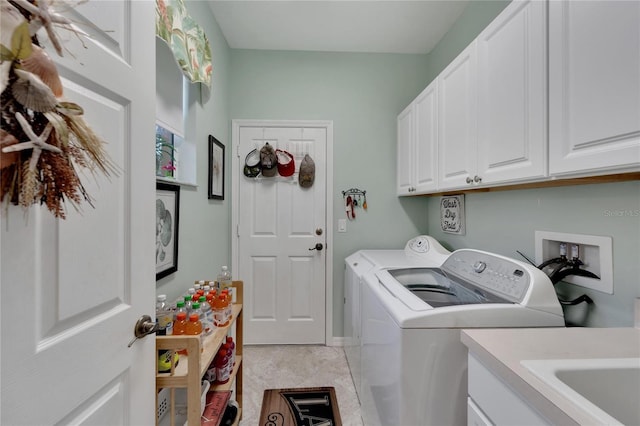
[300,407]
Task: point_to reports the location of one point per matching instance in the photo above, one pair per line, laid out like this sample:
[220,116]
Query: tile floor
[288,366]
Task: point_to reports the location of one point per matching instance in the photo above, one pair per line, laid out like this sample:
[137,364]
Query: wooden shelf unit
[185,375]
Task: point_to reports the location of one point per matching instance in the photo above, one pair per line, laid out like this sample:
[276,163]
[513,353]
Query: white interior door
[72,290]
[279,224]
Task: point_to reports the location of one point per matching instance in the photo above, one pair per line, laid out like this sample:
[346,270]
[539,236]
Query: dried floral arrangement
[43,137]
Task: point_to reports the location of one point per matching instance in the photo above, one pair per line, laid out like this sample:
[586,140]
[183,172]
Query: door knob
[143,327]
[318,247]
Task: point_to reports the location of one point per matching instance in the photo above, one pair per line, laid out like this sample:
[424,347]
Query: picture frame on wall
[216,169]
[167,221]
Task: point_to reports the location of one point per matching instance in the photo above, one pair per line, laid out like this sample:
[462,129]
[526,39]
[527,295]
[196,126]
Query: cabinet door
[594,86]
[425,155]
[405,141]
[457,113]
[512,135]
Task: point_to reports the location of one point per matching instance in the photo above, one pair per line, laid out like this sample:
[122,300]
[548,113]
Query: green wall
[204,232]
[506,221]
[475,17]
[362,94]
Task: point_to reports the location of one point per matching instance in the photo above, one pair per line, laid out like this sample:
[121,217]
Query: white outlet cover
[544,239]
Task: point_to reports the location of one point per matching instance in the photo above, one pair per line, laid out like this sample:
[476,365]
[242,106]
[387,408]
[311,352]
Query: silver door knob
[144,326]
[318,247]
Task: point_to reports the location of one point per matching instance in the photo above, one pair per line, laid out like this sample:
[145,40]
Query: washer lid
[433,287]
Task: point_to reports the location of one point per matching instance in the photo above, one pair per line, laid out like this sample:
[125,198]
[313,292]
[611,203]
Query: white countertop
[502,351]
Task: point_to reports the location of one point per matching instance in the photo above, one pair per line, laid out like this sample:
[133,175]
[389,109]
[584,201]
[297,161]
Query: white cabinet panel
[457,114]
[512,83]
[417,144]
[426,139]
[405,142]
[594,86]
[497,402]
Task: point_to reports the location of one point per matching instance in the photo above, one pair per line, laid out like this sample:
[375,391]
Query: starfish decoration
[37,143]
[46,19]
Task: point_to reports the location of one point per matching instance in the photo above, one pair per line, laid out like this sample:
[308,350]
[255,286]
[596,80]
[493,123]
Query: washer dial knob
[479,266]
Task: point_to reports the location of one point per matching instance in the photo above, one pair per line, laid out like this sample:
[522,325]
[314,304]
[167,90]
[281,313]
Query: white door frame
[237,165]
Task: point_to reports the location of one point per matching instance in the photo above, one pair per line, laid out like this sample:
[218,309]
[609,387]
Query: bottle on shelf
[180,324]
[224,278]
[180,327]
[210,296]
[194,328]
[220,312]
[180,307]
[164,316]
[221,361]
[206,316]
[187,304]
[228,309]
[232,345]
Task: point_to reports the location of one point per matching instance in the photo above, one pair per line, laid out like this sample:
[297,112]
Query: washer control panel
[499,275]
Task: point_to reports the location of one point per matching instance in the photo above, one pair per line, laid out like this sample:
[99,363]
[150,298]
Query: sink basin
[606,389]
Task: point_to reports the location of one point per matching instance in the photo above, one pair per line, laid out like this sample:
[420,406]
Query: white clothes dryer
[414,366]
[422,250]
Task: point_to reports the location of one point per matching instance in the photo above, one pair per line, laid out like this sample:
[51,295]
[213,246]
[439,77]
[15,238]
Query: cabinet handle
[477,179]
[469,180]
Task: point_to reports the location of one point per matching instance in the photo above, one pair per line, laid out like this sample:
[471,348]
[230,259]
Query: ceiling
[394,26]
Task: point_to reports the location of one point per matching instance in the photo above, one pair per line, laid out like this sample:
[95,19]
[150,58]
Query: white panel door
[425,155]
[594,86]
[72,290]
[404,151]
[512,135]
[279,224]
[457,116]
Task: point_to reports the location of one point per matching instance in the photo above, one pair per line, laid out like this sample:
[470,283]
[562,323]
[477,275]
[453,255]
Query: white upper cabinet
[417,144]
[549,89]
[457,115]
[405,142]
[594,87]
[493,103]
[512,95]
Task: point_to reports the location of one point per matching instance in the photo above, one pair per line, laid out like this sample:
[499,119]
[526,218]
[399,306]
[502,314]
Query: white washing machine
[414,367]
[422,251]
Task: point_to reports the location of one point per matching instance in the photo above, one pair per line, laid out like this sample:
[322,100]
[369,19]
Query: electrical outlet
[594,252]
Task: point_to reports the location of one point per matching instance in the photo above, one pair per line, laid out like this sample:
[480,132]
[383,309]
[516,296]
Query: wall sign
[452,218]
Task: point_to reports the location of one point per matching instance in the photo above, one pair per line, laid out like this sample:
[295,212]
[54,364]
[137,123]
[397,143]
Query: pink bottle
[222,368]
[232,344]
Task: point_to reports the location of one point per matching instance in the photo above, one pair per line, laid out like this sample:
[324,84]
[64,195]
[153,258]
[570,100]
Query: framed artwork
[216,169]
[167,219]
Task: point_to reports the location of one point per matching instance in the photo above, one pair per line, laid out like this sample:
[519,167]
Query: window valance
[186,40]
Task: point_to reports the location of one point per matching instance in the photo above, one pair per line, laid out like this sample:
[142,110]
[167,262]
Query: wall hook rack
[353,198]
